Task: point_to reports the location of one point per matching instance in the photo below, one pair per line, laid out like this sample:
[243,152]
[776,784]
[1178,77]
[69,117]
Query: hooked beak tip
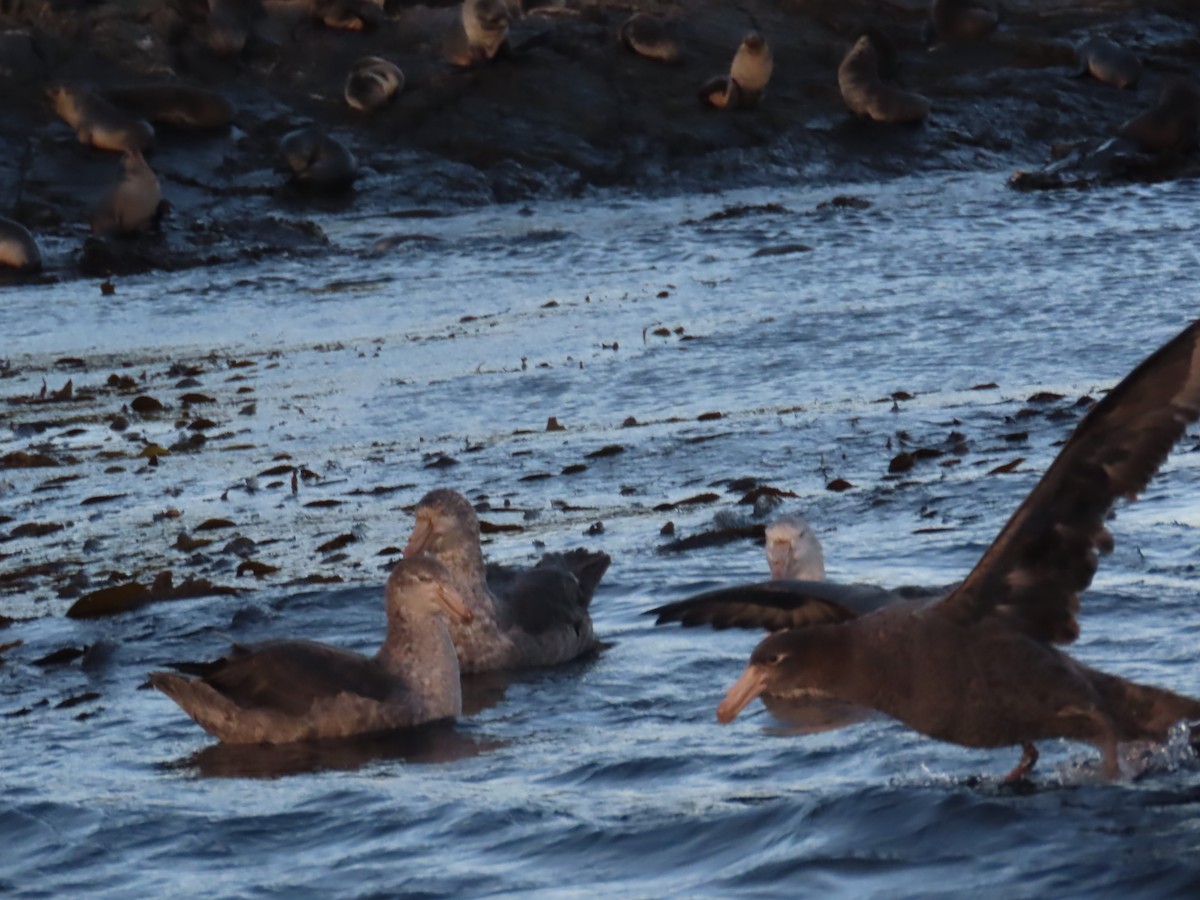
[745,689]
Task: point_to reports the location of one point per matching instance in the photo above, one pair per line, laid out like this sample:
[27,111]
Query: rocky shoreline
[569,111]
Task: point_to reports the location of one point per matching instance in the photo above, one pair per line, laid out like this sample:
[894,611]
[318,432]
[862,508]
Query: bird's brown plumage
[979,667]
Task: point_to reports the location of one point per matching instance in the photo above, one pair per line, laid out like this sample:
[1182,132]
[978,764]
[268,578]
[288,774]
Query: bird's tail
[589,567]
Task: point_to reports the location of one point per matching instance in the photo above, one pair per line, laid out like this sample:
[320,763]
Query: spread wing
[289,676]
[555,592]
[1035,570]
[775,605]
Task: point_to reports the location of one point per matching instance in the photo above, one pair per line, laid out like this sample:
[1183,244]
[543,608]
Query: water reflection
[436,742]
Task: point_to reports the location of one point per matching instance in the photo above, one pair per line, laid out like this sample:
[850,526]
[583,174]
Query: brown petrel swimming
[522,618]
[796,596]
[279,692]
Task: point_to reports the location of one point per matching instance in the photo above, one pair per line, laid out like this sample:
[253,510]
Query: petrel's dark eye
[774,659]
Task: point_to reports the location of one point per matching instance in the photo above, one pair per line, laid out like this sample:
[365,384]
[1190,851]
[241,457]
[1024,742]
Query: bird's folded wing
[288,676]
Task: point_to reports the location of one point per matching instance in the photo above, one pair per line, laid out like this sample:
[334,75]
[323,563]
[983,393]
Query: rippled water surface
[418,339]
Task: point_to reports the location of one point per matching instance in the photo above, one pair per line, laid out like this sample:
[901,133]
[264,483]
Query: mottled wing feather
[555,592]
[587,566]
[1035,570]
[775,605]
[288,676]
[541,599]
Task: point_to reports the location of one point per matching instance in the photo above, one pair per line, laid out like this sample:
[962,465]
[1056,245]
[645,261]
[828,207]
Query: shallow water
[609,776]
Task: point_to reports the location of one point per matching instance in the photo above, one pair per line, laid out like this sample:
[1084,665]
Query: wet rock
[146,405]
[695,500]
[190,399]
[258,569]
[1045,397]
[781,250]
[845,201]
[60,657]
[215,524]
[486,527]
[337,543]
[34,530]
[77,699]
[715,538]
[1007,467]
[19,459]
[133,595]
[240,546]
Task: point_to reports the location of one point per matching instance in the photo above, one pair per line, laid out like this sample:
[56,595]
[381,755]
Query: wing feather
[1047,553]
[289,676]
[775,605]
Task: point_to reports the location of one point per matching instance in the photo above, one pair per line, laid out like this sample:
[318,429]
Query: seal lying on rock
[479,34]
[18,249]
[746,82]
[98,122]
[135,204]
[649,36]
[230,23]
[960,20]
[980,667]
[350,15]
[868,96]
[1109,62]
[177,105]
[317,160]
[372,83]
[1169,126]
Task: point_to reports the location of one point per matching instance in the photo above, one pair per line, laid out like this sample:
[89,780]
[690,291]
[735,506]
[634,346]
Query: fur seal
[1170,124]
[177,105]
[649,36]
[748,75]
[18,249]
[316,160]
[1109,62]
[751,69]
[868,96]
[349,15]
[479,34]
[958,20]
[98,122]
[372,83]
[230,23]
[135,204]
